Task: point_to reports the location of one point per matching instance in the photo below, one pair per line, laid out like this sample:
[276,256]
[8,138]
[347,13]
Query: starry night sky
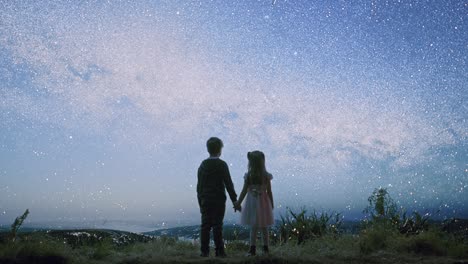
[105,106]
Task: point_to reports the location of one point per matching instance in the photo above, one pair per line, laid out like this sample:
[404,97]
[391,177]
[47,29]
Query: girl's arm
[243,193]
[270,194]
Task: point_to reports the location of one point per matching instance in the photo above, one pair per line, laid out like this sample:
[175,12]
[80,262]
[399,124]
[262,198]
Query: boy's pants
[212,216]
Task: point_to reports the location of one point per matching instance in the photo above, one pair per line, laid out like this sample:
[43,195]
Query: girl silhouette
[257,211]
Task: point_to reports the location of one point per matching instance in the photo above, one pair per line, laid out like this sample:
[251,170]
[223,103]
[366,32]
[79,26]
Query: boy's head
[214,146]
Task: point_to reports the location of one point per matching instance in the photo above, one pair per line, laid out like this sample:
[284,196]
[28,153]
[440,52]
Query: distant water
[122,225]
[130,226]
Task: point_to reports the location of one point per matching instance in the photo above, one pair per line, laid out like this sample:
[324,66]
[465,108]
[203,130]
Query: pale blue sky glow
[105,106]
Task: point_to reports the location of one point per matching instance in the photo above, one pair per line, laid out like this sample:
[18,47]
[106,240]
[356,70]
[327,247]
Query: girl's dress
[257,210]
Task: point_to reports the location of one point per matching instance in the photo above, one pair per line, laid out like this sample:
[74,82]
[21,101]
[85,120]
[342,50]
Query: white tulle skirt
[257,210]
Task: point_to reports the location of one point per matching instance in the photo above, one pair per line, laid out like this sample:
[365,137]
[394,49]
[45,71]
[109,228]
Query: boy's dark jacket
[213,180]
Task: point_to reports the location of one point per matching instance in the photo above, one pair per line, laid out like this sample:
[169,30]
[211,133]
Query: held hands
[237,206]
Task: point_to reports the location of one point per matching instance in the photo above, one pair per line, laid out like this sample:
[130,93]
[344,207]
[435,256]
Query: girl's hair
[256,173]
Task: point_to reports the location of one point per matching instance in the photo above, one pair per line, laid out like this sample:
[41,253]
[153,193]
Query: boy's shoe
[266,250]
[252,252]
[204,254]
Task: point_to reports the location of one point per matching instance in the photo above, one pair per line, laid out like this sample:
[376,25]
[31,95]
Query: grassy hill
[387,236]
[112,246]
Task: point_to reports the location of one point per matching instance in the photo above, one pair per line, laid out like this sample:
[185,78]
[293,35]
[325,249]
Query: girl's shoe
[252,251]
[266,250]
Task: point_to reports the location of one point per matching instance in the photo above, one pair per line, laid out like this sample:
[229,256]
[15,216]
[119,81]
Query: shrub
[414,224]
[381,207]
[301,227]
[383,211]
[17,224]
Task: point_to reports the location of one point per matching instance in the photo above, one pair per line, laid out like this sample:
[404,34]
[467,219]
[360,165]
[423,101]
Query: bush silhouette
[302,226]
[17,224]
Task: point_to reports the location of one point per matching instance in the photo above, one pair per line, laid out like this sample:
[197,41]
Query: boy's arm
[229,185]
[198,187]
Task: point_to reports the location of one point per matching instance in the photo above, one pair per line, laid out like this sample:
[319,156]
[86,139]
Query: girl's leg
[253,241]
[253,235]
[265,237]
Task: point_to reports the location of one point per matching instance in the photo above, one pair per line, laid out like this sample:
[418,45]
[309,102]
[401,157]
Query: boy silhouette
[213,180]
